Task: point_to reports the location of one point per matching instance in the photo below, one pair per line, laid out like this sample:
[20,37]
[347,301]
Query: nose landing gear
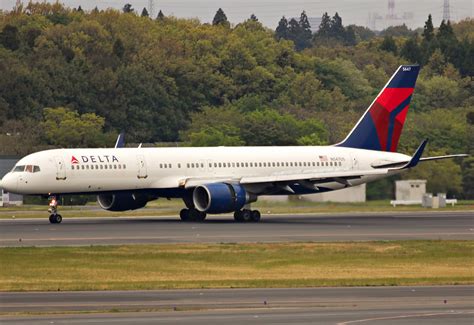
[53,209]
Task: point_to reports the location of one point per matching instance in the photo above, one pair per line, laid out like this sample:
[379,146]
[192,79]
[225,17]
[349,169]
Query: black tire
[246,215]
[256,216]
[195,215]
[238,216]
[184,215]
[55,218]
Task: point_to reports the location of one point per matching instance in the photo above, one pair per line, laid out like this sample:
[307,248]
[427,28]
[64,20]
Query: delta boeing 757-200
[215,180]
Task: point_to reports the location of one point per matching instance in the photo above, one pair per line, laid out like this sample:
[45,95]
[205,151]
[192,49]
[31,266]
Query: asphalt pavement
[357,305]
[217,229]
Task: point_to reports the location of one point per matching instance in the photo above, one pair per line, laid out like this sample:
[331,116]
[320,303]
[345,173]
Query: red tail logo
[74,160]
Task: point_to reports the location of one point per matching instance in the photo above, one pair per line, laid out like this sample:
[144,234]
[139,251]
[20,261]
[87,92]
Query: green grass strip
[167,266]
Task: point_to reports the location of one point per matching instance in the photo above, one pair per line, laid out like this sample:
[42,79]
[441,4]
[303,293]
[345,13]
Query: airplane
[215,180]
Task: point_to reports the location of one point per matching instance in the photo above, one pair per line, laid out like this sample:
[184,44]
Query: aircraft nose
[9,183]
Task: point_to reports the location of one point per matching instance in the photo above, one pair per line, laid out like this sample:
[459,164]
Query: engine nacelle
[122,201]
[220,197]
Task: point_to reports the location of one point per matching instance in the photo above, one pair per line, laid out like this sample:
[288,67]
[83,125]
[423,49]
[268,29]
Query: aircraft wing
[308,177]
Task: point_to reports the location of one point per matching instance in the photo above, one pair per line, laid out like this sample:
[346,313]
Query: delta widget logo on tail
[381,125]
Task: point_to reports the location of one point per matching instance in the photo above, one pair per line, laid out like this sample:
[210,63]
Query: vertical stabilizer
[381,125]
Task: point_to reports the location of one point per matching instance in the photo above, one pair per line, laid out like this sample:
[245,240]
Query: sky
[269,12]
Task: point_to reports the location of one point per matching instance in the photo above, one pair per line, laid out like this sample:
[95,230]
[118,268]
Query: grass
[168,266]
[172,207]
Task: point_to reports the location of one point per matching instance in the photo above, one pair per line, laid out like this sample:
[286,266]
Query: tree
[160,16]
[144,13]
[79,9]
[282,29]
[119,48]
[127,8]
[305,31]
[325,26]
[66,128]
[411,50]
[211,136]
[337,30]
[253,17]
[9,37]
[220,18]
[428,30]
[389,45]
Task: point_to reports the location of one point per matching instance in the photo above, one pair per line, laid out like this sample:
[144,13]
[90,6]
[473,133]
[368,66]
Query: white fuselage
[63,171]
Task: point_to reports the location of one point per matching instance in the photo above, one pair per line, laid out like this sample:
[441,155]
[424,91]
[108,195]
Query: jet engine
[221,197]
[123,201]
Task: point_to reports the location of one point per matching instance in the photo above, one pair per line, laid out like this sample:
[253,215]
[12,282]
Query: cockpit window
[18,168]
[27,168]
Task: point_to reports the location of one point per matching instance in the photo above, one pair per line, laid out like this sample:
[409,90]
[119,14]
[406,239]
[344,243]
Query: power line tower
[446,11]
[391,9]
[151,8]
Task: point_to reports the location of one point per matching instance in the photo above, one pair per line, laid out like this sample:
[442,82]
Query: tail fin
[381,125]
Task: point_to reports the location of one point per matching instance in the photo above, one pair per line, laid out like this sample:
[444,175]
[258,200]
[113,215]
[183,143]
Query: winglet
[416,157]
[120,143]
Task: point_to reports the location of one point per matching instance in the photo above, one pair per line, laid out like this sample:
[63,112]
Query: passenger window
[220,165]
[187,165]
[110,166]
[119,166]
[105,166]
[202,165]
[179,166]
[246,164]
[192,165]
[215,165]
[72,167]
[238,165]
[101,166]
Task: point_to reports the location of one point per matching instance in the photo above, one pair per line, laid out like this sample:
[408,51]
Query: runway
[136,230]
[367,305]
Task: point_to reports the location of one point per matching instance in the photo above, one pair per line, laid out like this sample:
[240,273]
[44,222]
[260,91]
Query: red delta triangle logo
[74,160]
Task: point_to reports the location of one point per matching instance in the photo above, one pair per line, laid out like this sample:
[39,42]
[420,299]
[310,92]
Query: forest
[71,78]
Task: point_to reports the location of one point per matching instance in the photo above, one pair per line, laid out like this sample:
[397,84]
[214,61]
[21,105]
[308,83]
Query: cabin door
[60,168]
[142,170]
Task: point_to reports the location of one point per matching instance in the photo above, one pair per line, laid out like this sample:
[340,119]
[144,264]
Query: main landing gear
[192,215]
[247,215]
[53,209]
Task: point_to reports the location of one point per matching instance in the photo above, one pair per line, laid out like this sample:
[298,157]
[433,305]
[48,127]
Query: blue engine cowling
[122,201]
[220,197]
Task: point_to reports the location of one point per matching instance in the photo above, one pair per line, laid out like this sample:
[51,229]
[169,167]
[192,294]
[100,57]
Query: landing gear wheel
[256,216]
[246,215]
[184,214]
[196,215]
[53,209]
[238,216]
[55,218]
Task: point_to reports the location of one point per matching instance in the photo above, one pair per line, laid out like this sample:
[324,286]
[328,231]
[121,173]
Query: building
[410,190]
[6,164]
